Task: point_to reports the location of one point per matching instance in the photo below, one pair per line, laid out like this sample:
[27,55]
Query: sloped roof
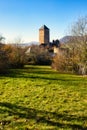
[44,27]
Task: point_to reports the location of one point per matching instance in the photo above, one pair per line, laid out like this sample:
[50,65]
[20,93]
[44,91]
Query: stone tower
[44,35]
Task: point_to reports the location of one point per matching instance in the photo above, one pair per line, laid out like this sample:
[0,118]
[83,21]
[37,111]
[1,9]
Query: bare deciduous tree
[79,32]
[76,49]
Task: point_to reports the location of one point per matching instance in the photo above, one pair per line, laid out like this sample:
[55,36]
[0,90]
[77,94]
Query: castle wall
[44,36]
[41,36]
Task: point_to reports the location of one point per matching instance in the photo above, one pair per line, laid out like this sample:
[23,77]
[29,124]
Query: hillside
[38,98]
[65,39]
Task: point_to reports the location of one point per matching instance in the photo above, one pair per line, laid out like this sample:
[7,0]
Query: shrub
[17,56]
[60,62]
[4,64]
[12,57]
[39,56]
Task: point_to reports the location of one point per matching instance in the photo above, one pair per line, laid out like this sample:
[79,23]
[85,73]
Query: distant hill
[30,43]
[27,44]
[65,39]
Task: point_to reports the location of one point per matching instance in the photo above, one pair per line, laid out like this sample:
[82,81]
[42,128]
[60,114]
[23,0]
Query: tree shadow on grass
[36,73]
[41,116]
[39,74]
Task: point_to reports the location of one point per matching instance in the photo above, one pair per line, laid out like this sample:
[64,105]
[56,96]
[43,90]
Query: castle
[44,40]
[44,35]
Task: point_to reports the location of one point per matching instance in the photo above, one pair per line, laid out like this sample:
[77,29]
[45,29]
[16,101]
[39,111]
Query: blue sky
[23,18]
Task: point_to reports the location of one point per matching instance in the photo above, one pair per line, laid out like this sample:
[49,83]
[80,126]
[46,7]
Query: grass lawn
[39,98]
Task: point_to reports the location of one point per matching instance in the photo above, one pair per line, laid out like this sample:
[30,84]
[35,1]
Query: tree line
[71,57]
[14,56]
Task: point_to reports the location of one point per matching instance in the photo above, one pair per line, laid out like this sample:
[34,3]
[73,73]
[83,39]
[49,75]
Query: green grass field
[39,98]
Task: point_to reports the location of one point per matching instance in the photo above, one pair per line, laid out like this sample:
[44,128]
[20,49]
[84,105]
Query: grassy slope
[38,98]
